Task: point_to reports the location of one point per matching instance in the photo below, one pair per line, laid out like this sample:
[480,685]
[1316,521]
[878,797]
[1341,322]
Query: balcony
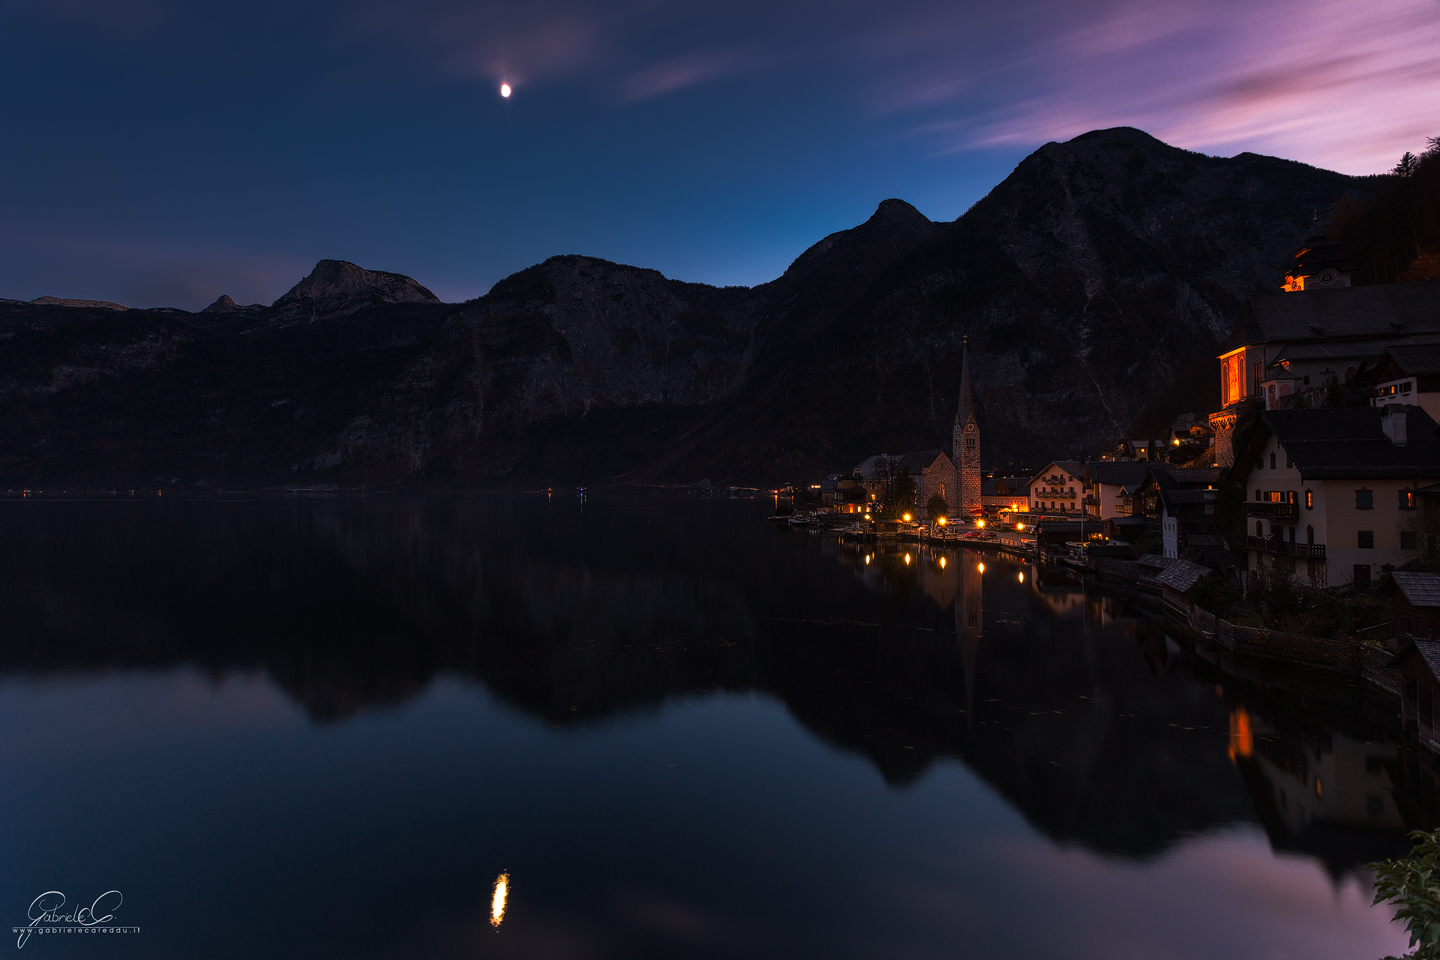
[1272,511]
[1308,551]
[1052,495]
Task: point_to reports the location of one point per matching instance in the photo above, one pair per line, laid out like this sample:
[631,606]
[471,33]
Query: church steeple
[966,439]
[965,412]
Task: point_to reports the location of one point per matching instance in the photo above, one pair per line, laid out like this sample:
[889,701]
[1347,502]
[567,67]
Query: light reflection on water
[690,732]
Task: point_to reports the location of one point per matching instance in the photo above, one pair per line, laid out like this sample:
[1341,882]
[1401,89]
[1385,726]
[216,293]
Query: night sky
[163,153]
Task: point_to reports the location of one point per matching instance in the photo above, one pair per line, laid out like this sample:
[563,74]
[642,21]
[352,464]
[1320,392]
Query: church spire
[966,439]
[966,410]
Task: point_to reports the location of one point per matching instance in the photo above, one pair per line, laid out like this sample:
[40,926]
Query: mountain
[1102,272]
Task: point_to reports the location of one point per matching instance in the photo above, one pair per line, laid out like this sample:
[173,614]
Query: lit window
[1407,499]
[1309,499]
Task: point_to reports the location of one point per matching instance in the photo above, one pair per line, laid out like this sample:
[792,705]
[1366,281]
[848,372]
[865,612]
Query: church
[955,477]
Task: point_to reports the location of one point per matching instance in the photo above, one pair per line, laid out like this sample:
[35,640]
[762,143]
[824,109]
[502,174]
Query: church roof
[914,462]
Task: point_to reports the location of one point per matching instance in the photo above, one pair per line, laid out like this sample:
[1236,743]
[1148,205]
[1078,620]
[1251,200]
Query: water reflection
[1082,713]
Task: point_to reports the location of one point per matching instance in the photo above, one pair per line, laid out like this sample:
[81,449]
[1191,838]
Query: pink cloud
[1330,83]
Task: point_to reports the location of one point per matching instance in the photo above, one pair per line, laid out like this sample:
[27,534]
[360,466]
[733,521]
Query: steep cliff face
[1099,273]
[1094,275]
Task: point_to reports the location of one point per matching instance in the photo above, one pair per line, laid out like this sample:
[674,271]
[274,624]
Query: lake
[326,728]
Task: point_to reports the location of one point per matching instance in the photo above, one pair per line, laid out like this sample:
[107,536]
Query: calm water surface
[324,729]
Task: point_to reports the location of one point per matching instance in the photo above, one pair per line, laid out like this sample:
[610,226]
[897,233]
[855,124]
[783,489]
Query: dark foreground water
[324,729]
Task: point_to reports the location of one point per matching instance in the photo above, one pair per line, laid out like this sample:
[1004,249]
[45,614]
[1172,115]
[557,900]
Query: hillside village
[1307,504]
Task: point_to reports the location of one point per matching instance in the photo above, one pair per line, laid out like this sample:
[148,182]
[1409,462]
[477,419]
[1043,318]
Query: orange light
[498,898]
[980,567]
[1022,576]
[1242,739]
[979,523]
[1019,526]
[906,518]
[942,521]
[907,559]
[942,563]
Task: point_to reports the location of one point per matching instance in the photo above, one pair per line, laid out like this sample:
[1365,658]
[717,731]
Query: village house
[1418,662]
[1005,494]
[1409,375]
[1059,488]
[1286,344]
[1334,498]
[1108,484]
[1414,602]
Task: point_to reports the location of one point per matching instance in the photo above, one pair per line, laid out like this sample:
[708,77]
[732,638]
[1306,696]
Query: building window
[1309,499]
[1259,528]
[1407,499]
[1257,494]
[1260,464]
[1365,539]
[1289,460]
[1309,533]
[1364,499]
[1272,461]
[1307,379]
[1405,387]
[1409,540]
[1361,575]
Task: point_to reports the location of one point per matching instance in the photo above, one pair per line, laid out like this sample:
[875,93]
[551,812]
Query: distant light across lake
[504,727]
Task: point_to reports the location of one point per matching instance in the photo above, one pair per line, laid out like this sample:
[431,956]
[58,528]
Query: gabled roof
[1414,361]
[913,462]
[1421,589]
[1155,560]
[1118,473]
[1379,310]
[1427,650]
[1349,442]
[1075,468]
[1017,485]
[1181,575]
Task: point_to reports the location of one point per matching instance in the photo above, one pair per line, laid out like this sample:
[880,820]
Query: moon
[505,90]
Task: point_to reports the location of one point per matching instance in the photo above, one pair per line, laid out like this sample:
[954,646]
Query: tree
[897,489]
[1407,165]
[937,507]
[1413,884]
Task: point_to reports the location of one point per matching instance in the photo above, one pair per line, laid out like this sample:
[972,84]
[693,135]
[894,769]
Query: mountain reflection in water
[1101,730]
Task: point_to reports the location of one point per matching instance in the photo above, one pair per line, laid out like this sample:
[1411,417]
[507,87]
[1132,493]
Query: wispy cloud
[1332,83]
[687,70]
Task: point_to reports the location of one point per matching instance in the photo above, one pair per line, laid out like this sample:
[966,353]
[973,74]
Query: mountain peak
[897,212]
[222,305]
[93,304]
[339,286]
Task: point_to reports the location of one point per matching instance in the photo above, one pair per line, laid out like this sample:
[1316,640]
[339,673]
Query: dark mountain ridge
[1099,272]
